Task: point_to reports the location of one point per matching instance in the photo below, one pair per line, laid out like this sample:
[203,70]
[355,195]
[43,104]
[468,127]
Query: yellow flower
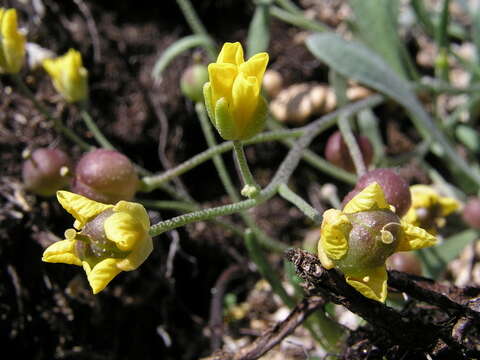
[107,239]
[359,239]
[68,75]
[429,208]
[12,43]
[232,96]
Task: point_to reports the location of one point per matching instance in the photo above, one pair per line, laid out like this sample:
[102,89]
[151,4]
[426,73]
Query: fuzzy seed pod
[471,213]
[394,186]
[106,176]
[46,171]
[336,151]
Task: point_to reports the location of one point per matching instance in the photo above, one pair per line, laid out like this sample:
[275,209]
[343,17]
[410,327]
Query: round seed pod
[395,188]
[106,176]
[272,82]
[373,238]
[471,213]
[336,151]
[46,171]
[192,81]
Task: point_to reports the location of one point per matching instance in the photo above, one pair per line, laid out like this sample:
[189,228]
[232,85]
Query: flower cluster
[232,96]
[429,208]
[359,239]
[105,240]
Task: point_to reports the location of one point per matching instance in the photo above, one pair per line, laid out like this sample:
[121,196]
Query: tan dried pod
[272,83]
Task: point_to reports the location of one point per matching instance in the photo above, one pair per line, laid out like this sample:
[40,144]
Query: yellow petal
[448,205]
[81,208]
[245,95]
[370,198]
[136,210]
[334,234]
[414,238]
[231,53]
[124,230]
[372,283]
[102,273]
[61,252]
[221,78]
[137,256]
[255,66]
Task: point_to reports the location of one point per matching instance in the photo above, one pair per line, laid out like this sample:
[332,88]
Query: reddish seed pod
[471,213]
[105,176]
[336,151]
[46,171]
[395,188]
[405,262]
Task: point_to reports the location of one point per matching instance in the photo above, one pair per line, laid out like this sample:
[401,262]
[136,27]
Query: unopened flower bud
[336,151]
[471,213]
[395,188]
[192,81]
[106,176]
[46,171]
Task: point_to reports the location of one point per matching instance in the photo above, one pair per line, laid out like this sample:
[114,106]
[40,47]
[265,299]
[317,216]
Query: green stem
[353,148]
[195,24]
[169,205]
[316,161]
[251,188]
[217,159]
[289,6]
[297,20]
[312,213]
[57,123]
[150,183]
[93,128]
[263,238]
[282,175]
[441,66]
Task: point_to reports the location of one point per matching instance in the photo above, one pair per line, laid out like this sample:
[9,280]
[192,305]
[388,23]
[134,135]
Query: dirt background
[162,310]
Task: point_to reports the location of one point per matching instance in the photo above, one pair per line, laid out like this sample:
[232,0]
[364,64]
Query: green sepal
[207,94]
[224,121]
[257,122]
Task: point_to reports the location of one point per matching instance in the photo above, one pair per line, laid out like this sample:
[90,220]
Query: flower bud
[12,43]
[68,75]
[192,81]
[232,96]
[106,176]
[336,151]
[471,213]
[395,188]
[46,171]
[405,262]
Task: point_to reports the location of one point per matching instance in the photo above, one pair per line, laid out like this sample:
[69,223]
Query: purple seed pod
[405,262]
[336,151]
[46,171]
[105,176]
[471,213]
[395,188]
